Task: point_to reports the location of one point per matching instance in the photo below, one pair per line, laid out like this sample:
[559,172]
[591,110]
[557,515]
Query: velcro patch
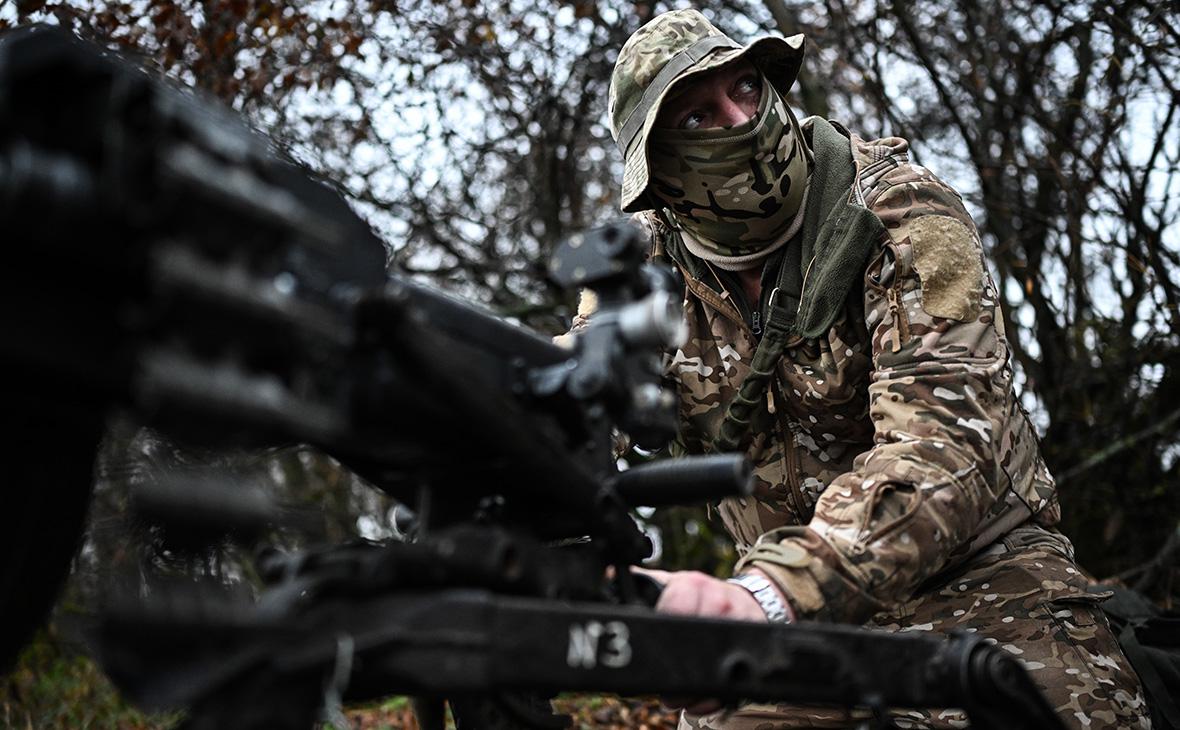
[949,266]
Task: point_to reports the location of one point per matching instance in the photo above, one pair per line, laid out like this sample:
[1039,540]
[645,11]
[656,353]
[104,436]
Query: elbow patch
[948,263]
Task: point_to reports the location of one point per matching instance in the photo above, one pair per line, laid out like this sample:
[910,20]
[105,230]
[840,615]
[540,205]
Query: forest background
[473,136]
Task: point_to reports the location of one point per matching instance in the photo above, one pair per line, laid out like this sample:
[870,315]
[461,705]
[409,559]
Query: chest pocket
[828,375]
[707,370]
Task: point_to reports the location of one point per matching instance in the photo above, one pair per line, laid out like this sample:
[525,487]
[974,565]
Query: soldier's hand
[691,593]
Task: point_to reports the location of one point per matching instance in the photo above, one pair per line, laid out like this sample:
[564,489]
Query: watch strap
[766,594]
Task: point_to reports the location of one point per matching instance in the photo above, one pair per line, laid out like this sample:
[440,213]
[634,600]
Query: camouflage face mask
[735,190]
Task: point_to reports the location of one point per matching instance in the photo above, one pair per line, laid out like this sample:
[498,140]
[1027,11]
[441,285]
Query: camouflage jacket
[893,446]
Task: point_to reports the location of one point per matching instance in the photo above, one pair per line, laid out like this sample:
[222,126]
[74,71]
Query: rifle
[218,293]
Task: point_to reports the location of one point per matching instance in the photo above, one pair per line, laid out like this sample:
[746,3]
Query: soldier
[845,334]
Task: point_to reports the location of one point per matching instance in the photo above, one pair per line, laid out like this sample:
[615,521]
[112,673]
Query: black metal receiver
[162,260]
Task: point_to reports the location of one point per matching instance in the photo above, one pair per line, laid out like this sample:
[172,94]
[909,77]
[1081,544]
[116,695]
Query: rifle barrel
[686,481]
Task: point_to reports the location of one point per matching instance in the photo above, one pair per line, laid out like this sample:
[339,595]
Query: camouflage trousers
[1024,593]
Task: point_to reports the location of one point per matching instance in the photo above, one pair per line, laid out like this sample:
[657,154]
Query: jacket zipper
[722,303]
[901,323]
[892,293]
[790,456]
[733,312]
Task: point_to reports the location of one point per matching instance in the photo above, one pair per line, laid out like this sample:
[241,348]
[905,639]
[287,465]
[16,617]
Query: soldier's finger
[660,576]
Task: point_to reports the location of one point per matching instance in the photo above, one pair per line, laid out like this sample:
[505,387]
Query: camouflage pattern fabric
[892,439]
[893,448]
[636,79]
[1025,595]
[736,190]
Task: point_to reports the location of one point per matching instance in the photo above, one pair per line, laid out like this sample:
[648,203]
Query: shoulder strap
[1159,671]
[1151,642]
[779,328]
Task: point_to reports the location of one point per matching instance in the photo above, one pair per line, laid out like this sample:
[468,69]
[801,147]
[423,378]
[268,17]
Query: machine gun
[162,259]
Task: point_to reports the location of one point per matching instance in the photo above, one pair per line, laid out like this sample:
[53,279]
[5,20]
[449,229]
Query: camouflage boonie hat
[671,47]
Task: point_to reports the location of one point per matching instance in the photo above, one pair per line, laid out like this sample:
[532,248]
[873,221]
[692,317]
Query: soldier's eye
[692,120]
[749,85]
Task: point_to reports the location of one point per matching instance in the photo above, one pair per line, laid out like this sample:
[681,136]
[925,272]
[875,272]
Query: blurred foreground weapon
[161,259]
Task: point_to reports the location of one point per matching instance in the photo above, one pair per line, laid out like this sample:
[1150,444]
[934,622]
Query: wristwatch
[768,598]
